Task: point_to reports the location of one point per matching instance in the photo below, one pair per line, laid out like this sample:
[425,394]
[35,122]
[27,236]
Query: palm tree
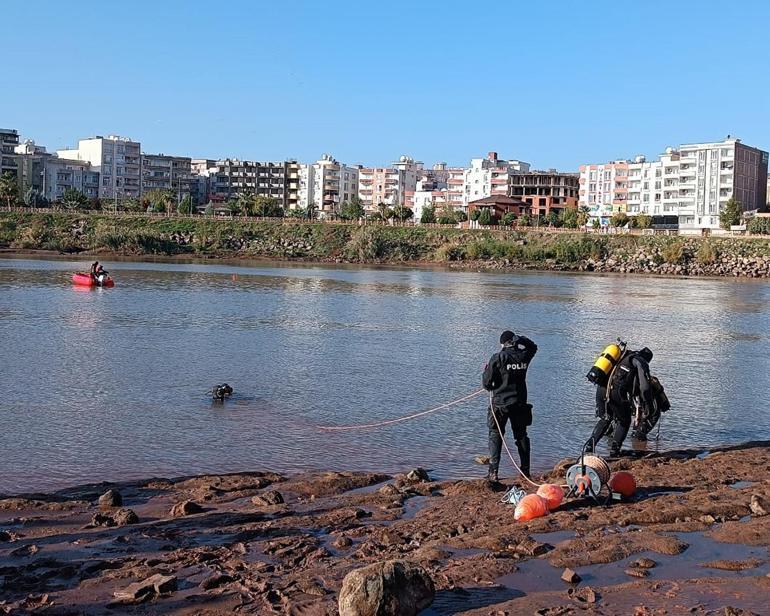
[9,189]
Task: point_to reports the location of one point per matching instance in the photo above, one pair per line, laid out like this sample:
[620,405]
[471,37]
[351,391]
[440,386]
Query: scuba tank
[599,373]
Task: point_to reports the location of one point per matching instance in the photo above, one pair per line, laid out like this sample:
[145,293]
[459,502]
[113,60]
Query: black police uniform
[506,377]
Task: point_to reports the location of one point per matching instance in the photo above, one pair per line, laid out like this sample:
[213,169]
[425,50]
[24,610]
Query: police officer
[629,384]
[505,376]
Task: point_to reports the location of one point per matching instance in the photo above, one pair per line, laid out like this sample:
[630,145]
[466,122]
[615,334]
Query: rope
[508,451]
[600,466]
[404,418]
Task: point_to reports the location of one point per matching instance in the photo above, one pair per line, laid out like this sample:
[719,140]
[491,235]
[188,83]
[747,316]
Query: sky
[556,83]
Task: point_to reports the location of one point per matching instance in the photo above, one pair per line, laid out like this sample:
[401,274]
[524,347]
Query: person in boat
[629,386]
[94,267]
[100,274]
[505,377]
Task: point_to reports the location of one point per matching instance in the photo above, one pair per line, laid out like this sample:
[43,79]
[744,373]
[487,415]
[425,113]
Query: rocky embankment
[74,234]
[693,540]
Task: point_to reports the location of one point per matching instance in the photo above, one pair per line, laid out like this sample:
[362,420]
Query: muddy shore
[689,542]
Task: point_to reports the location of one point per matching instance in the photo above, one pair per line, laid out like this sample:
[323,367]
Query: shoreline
[263,542]
[480,267]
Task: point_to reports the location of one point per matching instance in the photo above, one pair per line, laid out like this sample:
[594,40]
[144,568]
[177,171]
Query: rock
[390,588]
[187,507]
[418,474]
[530,547]
[758,505]
[215,581]
[639,573]
[388,490]
[483,460]
[583,595]
[343,542]
[157,584]
[569,576]
[25,550]
[268,499]
[111,498]
[707,519]
[644,563]
[121,517]
[8,536]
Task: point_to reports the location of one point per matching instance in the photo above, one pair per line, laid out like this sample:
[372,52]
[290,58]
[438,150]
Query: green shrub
[707,253]
[673,253]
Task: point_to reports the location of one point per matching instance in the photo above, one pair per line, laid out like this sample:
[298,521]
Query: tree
[553,219]
[447,215]
[595,223]
[269,207]
[569,218]
[508,219]
[353,209]
[160,199]
[9,190]
[428,215]
[246,202]
[73,199]
[643,221]
[129,205]
[383,210]
[486,218]
[758,226]
[185,206]
[583,214]
[475,214]
[525,220]
[730,214]
[402,213]
[209,211]
[32,198]
[619,219]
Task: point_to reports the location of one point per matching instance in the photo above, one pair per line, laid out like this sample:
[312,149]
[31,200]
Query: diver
[505,376]
[100,274]
[627,393]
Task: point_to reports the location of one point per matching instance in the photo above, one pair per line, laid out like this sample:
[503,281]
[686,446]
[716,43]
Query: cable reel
[588,478]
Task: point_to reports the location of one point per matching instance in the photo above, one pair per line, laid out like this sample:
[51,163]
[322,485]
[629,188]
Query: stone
[530,547]
[569,576]
[388,490]
[644,563]
[707,519]
[758,505]
[389,588]
[639,573]
[8,536]
[137,592]
[111,498]
[483,460]
[418,474]
[268,499]
[121,517]
[215,581]
[187,507]
[343,542]
[583,595]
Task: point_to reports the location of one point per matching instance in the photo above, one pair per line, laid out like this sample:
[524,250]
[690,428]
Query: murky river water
[111,384]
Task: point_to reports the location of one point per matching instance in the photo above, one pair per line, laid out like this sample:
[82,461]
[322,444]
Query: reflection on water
[110,383]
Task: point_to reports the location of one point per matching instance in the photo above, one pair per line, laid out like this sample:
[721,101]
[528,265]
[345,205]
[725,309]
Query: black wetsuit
[630,379]
[506,377]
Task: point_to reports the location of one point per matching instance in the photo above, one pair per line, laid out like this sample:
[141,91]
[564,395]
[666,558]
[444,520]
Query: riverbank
[77,234]
[689,541]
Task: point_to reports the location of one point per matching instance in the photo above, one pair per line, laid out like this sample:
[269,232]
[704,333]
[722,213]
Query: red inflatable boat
[84,280]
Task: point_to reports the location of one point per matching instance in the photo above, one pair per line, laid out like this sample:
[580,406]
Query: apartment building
[9,140]
[388,185]
[326,184]
[61,174]
[691,184]
[30,164]
[545,191]
[162,172]
[228,178]
[117,159]
[489,176]
[603,189]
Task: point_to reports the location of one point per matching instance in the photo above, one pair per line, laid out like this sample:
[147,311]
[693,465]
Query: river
[111,384]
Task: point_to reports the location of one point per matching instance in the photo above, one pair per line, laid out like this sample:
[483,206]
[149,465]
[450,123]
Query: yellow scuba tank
[600,372]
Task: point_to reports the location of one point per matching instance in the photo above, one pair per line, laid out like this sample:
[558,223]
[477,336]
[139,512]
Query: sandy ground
[687,543]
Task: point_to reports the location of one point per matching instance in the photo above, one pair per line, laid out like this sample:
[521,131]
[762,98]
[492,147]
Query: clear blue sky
[553,83]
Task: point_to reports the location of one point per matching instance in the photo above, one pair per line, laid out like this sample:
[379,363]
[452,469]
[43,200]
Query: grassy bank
[198,237]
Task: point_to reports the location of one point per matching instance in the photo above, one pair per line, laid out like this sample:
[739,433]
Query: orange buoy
[623,483]
[552,494]
[530,507]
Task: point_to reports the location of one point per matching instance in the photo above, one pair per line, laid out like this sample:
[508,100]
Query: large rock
[185,508]
[390,588]
[268,499]
[121,517]
[111,498]
[157,584]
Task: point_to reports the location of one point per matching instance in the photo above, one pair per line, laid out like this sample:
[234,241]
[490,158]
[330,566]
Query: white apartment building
[162,172]
[695,182]
[604,188]
[118,161]
[489,176]
[392,185]
[61,174]
[326,184]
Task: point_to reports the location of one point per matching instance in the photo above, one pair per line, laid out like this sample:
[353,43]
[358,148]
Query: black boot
[492,474]
[523,446]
